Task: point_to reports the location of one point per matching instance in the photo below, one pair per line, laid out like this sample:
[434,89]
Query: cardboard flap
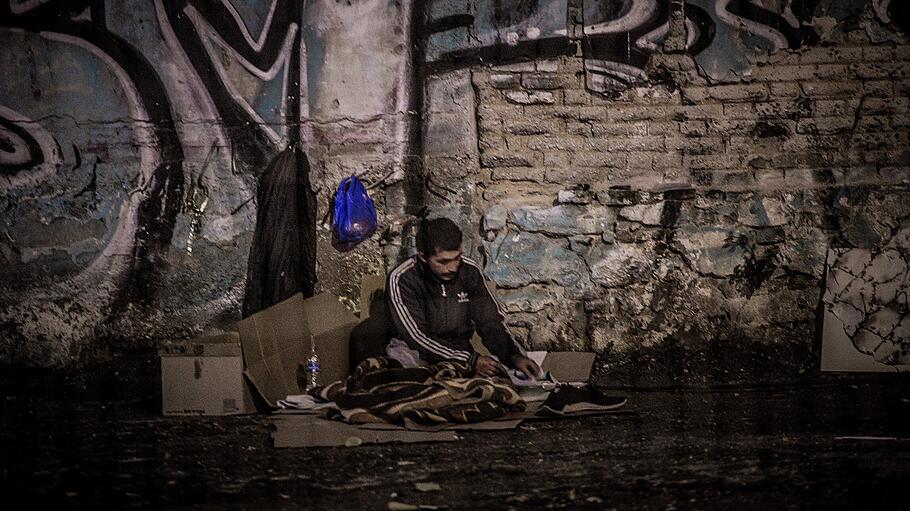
[313,432]
[569,366]
[273,342]
[370,285]
[325,313]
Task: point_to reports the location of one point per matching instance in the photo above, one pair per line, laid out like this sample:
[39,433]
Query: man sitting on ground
[438,298]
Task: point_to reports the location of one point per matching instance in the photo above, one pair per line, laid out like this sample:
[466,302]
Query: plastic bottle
[312,365]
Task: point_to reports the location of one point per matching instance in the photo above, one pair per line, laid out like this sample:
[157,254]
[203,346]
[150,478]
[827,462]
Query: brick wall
[680,221]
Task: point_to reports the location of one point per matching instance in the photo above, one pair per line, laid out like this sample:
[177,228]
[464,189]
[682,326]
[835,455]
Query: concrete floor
[831,446]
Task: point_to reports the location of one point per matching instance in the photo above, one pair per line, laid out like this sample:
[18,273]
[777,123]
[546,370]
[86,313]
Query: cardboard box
[565,366]
[204,376]
[276,340]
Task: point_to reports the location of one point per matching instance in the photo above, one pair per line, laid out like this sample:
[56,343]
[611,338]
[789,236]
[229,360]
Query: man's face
[444,263]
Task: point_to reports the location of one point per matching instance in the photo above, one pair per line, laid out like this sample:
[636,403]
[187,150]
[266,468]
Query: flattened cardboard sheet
[314,432]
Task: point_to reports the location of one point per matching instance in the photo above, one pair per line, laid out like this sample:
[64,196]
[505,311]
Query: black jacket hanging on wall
[283,253]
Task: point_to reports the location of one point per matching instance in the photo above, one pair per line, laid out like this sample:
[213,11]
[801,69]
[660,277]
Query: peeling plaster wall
[655,180]
[663,186]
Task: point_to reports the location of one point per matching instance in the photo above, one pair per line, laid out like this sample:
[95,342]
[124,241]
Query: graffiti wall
[133,136]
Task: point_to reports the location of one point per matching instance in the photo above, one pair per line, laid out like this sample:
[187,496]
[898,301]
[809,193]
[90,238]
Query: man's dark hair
[437,235]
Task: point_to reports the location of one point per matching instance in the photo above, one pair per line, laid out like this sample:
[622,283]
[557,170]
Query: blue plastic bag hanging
[354,215]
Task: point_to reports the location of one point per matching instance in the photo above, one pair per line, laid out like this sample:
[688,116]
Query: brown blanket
[381,390]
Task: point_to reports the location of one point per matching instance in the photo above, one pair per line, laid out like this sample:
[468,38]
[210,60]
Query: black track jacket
[438,317]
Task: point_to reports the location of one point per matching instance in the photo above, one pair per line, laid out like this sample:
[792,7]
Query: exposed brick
[622,128]
[824,125]
[518,67]
[713,162]
[802,178]
[751,145]
[571,81]
[540,81]
[662,128]
[739,111]
[879,70]
[577,113]
[530,98]
[838,89]
[547,66]
[637,113]
[556,159]
[828,71]
[894,105]
[709,111]
[651,95]
[829,107]
[881,141]
[487,95]
[895,175]
[664,161]
[887,158]
[517,174]
[872,123]
[862,175]
[500,191]
[684,145]
[504,160]
[779,73]
[629,144]
[784,90]
[491,142]
[577,97]
[567,143]
[782,109]
[761,129]
[595,159]
[822,54]
[739,92]
[489,126]
[814,143]
[801,160]
[533,126]
[578,175]
[639,161]
[579,128]
[694,128]
[784,57]
[900,121]
[770,178]
[504,81]
[878,53]
[878,88]
[695,94]
[735,180]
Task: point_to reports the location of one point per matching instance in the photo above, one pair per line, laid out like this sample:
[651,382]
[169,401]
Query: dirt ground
[824,446]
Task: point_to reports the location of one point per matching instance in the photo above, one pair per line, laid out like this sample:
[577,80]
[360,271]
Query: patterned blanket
[382,390]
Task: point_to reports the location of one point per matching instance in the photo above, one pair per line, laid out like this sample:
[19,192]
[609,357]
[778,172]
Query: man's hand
[527,366]
[487,366]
